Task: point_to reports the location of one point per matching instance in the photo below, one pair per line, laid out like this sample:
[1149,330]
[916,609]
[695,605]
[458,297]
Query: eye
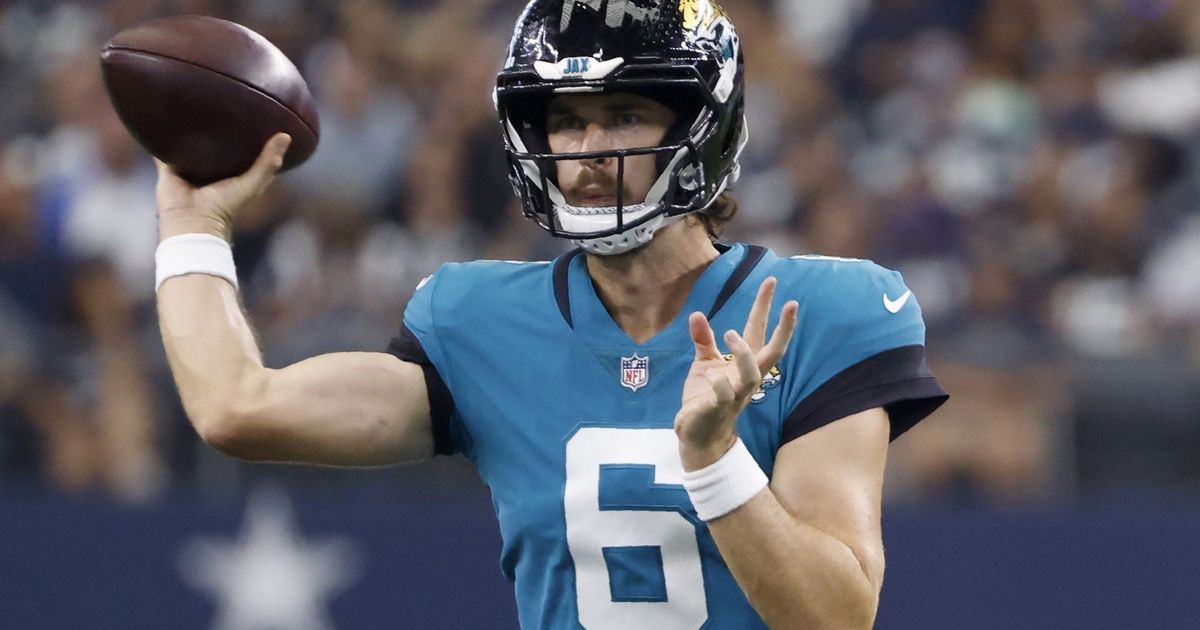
[627,119]
[566,122]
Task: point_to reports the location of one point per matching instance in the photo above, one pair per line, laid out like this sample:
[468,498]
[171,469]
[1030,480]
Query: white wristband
[193,253]
[724,485]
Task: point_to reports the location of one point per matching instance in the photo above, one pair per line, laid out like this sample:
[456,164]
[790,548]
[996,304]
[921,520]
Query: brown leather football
[204,95]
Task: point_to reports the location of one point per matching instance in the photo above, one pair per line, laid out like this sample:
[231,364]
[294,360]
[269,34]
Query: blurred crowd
[1032,167]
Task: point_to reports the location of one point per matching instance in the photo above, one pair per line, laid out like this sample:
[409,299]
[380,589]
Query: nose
[595,138]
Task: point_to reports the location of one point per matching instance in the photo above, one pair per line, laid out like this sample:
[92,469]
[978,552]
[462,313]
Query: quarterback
[647,471]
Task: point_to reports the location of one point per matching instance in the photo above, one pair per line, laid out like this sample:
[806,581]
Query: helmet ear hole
[689,178]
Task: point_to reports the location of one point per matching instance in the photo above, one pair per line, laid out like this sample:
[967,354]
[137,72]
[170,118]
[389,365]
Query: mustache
[597,182]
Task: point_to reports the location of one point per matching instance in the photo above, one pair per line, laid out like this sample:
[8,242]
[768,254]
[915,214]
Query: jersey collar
[583,311]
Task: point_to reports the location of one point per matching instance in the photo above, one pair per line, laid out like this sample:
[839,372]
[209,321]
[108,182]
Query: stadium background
[1032,167]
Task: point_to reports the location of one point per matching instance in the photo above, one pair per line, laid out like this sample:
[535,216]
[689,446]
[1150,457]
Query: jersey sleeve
[860,344]
[418,342]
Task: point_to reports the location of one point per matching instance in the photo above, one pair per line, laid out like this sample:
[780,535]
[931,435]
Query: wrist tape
[724,485]
[194,253]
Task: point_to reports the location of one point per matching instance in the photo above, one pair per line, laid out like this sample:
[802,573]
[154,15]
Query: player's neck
[645,289]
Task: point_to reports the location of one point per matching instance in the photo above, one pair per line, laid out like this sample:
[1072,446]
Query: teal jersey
[569,422]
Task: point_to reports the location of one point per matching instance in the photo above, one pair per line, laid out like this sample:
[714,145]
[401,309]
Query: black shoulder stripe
[897,380]
[562,292]
[754,253]
[407,347]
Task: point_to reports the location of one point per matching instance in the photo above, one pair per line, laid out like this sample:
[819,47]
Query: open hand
[716,390]
[211,209]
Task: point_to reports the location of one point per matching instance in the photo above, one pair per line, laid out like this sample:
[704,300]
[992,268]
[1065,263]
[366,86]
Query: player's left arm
[807,550]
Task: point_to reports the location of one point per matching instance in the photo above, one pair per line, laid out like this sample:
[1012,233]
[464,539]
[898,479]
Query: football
[204,94]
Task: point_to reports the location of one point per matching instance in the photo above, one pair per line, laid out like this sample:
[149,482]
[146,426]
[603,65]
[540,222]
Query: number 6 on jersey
[630,531]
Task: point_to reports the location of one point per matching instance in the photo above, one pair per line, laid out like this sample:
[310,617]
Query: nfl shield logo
[635,371]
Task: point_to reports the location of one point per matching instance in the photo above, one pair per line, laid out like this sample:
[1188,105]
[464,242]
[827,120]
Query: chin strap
[628,240]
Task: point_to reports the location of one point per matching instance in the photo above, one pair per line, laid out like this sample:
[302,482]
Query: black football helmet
[682,53]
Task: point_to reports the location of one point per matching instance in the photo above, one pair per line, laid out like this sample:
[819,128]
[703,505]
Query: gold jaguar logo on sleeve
[770,380]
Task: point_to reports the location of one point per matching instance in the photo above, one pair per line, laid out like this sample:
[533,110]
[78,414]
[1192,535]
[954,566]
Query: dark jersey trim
[897,380]
[407,347]
[562,292]
[754,253]
[562,266]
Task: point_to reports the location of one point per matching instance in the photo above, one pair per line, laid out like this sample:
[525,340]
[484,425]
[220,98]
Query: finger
[756,324]
[164,170]
[170,189]
[702,337]
[721,387]
[781,337]
[269,161]
[746,363]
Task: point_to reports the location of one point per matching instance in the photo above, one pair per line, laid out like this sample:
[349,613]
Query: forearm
[795,575]
[209,344]
[345,409]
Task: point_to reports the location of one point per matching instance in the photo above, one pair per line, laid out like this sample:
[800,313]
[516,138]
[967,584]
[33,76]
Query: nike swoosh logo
[894,306]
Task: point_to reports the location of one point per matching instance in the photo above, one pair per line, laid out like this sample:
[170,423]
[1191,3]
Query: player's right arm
[346,409]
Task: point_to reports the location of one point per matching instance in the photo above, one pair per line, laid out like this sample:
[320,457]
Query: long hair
[716,216]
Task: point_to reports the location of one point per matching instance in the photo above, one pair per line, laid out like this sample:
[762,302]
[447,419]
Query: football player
[646,471]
